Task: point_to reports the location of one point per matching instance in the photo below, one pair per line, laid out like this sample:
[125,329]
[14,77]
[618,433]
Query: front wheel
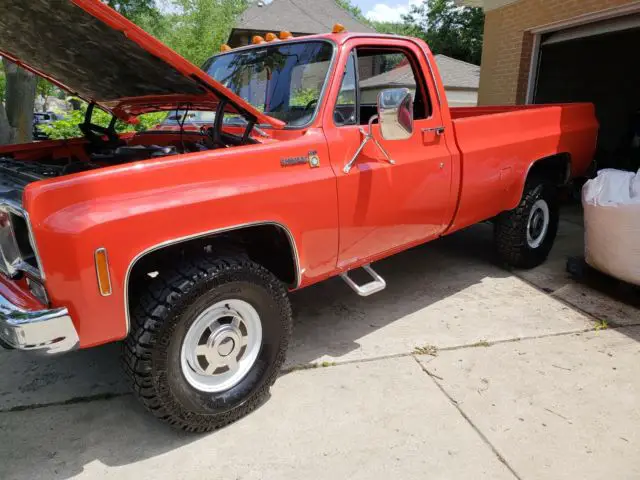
[208,339]
[524,236]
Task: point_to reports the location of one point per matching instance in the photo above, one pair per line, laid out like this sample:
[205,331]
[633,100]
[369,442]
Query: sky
[385,11]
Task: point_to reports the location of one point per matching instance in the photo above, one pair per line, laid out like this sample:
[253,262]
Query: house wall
[462,98]
[508,43]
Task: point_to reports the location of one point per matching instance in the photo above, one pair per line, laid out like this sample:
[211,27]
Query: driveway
[459,369]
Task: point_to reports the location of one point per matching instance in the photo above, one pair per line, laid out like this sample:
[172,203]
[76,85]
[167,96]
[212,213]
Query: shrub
[68,127]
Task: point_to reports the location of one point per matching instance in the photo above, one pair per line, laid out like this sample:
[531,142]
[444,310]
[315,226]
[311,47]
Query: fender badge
[313,160]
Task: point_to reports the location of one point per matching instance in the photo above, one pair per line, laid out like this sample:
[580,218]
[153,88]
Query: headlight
[17,254]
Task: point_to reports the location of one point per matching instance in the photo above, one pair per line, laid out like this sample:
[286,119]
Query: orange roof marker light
[284,35]
[338,28]
[225,48]
[257,39]
[271,37]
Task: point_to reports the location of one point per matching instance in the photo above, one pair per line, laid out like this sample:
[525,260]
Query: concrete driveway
[459,369]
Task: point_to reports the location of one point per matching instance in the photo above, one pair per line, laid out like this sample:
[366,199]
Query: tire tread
[160,301]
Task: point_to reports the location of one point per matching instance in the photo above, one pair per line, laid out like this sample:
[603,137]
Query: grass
[426,350]
[481,343]
[601,325]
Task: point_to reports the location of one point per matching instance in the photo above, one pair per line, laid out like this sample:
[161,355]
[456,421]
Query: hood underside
[93,52]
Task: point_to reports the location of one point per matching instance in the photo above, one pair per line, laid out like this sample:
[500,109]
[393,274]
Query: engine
[20,173]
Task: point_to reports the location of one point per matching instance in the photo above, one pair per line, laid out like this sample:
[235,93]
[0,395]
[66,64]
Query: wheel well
[270,245]
[556,168]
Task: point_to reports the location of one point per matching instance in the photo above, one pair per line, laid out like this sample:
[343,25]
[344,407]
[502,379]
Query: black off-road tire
[510,228]
[160,320]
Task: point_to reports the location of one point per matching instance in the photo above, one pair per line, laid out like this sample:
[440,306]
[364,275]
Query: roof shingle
[298,16]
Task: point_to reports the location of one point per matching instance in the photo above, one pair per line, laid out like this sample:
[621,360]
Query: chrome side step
[367,289]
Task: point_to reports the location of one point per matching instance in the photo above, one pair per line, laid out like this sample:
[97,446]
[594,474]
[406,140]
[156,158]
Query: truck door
[385,207]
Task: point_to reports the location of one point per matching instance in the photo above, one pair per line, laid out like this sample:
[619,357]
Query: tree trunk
[20,99]
[6,132]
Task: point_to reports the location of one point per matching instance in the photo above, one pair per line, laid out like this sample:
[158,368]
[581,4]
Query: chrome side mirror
[395,113]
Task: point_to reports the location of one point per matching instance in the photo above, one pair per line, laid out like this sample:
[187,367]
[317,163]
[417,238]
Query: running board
[367,289]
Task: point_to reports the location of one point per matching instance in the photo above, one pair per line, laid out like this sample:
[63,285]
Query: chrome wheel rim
[538,224]
[221,346]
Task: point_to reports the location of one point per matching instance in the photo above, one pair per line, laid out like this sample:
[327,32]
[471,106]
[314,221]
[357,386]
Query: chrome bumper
[45,331]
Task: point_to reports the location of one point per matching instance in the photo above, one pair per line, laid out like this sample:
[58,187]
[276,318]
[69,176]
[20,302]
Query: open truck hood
[90,50]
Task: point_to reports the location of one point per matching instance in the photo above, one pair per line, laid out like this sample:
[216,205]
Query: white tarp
[611,204]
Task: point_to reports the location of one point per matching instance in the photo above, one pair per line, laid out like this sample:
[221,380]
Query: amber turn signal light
[225,48]
[284,35]
[257,39]
[338,28]
[270,37]
[102,271]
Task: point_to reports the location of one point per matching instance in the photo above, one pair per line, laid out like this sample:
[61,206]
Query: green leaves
[449,29]
[194,28]
[68,126]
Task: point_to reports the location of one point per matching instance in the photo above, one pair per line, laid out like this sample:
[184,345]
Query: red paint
[441,183]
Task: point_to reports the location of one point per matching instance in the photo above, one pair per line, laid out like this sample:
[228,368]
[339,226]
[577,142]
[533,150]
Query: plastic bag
[611,203]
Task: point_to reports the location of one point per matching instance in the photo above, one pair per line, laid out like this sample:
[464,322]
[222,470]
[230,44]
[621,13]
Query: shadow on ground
[445,293]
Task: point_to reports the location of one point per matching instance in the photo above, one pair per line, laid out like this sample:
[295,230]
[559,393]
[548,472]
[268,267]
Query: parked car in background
[184,244]
[40,119]
[191,121]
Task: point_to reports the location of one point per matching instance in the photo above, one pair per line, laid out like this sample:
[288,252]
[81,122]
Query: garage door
[597,63]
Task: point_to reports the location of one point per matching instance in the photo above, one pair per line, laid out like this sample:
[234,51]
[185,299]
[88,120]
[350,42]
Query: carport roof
[454,73]
[485,4]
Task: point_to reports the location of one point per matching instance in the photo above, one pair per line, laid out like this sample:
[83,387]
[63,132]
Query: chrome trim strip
[95,261]
[44,331]
[174,241]
[287,42]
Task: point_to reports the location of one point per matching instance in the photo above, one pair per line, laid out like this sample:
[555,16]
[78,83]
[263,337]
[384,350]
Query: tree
[194,28]
[16,115]
[134,9]
[449,29]
[354,10]
[397,28]
[45,89]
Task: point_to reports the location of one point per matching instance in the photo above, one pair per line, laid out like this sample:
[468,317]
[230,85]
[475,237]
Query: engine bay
[50,166]
[56,159]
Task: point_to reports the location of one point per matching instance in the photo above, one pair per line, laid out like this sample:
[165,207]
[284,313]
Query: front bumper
[45,331]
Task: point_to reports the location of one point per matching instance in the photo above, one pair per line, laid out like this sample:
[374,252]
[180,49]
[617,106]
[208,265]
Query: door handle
[437,130]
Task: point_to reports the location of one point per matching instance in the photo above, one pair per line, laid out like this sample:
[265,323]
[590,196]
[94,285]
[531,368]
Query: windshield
[282,80]
[176,117]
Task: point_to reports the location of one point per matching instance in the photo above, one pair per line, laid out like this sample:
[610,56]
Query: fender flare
[206,233]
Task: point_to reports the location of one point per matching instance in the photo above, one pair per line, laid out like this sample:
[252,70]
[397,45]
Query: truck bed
[498,144]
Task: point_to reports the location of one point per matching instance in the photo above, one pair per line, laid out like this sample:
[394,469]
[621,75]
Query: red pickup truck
[326,153]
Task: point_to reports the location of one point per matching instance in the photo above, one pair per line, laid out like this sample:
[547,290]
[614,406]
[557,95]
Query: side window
[345,112]
[382,69]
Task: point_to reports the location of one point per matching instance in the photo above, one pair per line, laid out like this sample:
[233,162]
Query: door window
[345,112]
[377,70]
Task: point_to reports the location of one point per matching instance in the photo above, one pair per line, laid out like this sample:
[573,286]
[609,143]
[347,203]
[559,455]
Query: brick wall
[506,54]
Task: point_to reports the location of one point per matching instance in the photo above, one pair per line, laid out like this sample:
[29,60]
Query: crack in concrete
[482,436]
[483,344]
[312,366]
[70,401]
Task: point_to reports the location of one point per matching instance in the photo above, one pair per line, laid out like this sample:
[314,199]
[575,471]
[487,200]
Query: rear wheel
[208,339]
[524,236]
